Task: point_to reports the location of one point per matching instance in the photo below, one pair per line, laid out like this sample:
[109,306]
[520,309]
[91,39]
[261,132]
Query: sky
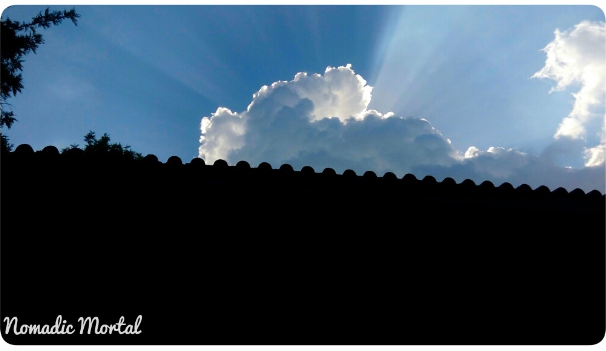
[501,93]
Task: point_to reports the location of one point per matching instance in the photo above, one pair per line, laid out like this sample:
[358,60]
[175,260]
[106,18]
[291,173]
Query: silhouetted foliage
[6,146]
[18,39]
[102,146]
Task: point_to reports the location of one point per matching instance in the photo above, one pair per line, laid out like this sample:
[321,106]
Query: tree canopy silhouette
[18,39]
[102,146]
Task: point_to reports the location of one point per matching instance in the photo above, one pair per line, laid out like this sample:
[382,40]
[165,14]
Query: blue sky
[457,79]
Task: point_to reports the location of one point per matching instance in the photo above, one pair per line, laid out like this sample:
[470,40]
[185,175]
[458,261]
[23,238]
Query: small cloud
[594,157]
[497,162]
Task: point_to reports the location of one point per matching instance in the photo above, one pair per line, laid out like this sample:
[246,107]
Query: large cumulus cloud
[323,120]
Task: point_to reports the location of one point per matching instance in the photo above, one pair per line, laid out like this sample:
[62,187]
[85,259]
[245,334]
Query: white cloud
[222,133]
[517,168]
[338,93]
[322,121]
[496,161]
[594,157]
[578,57]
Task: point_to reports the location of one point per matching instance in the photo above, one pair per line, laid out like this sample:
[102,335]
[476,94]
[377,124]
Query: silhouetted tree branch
[18,39]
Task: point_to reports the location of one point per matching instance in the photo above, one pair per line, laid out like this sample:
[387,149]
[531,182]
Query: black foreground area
[238,255]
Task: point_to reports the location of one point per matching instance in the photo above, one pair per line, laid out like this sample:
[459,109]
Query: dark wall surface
[238,255]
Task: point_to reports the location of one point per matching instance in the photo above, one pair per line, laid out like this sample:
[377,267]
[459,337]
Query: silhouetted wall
[263,255]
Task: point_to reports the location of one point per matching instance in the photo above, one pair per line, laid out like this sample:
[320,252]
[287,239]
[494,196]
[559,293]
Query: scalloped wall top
[26,153]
